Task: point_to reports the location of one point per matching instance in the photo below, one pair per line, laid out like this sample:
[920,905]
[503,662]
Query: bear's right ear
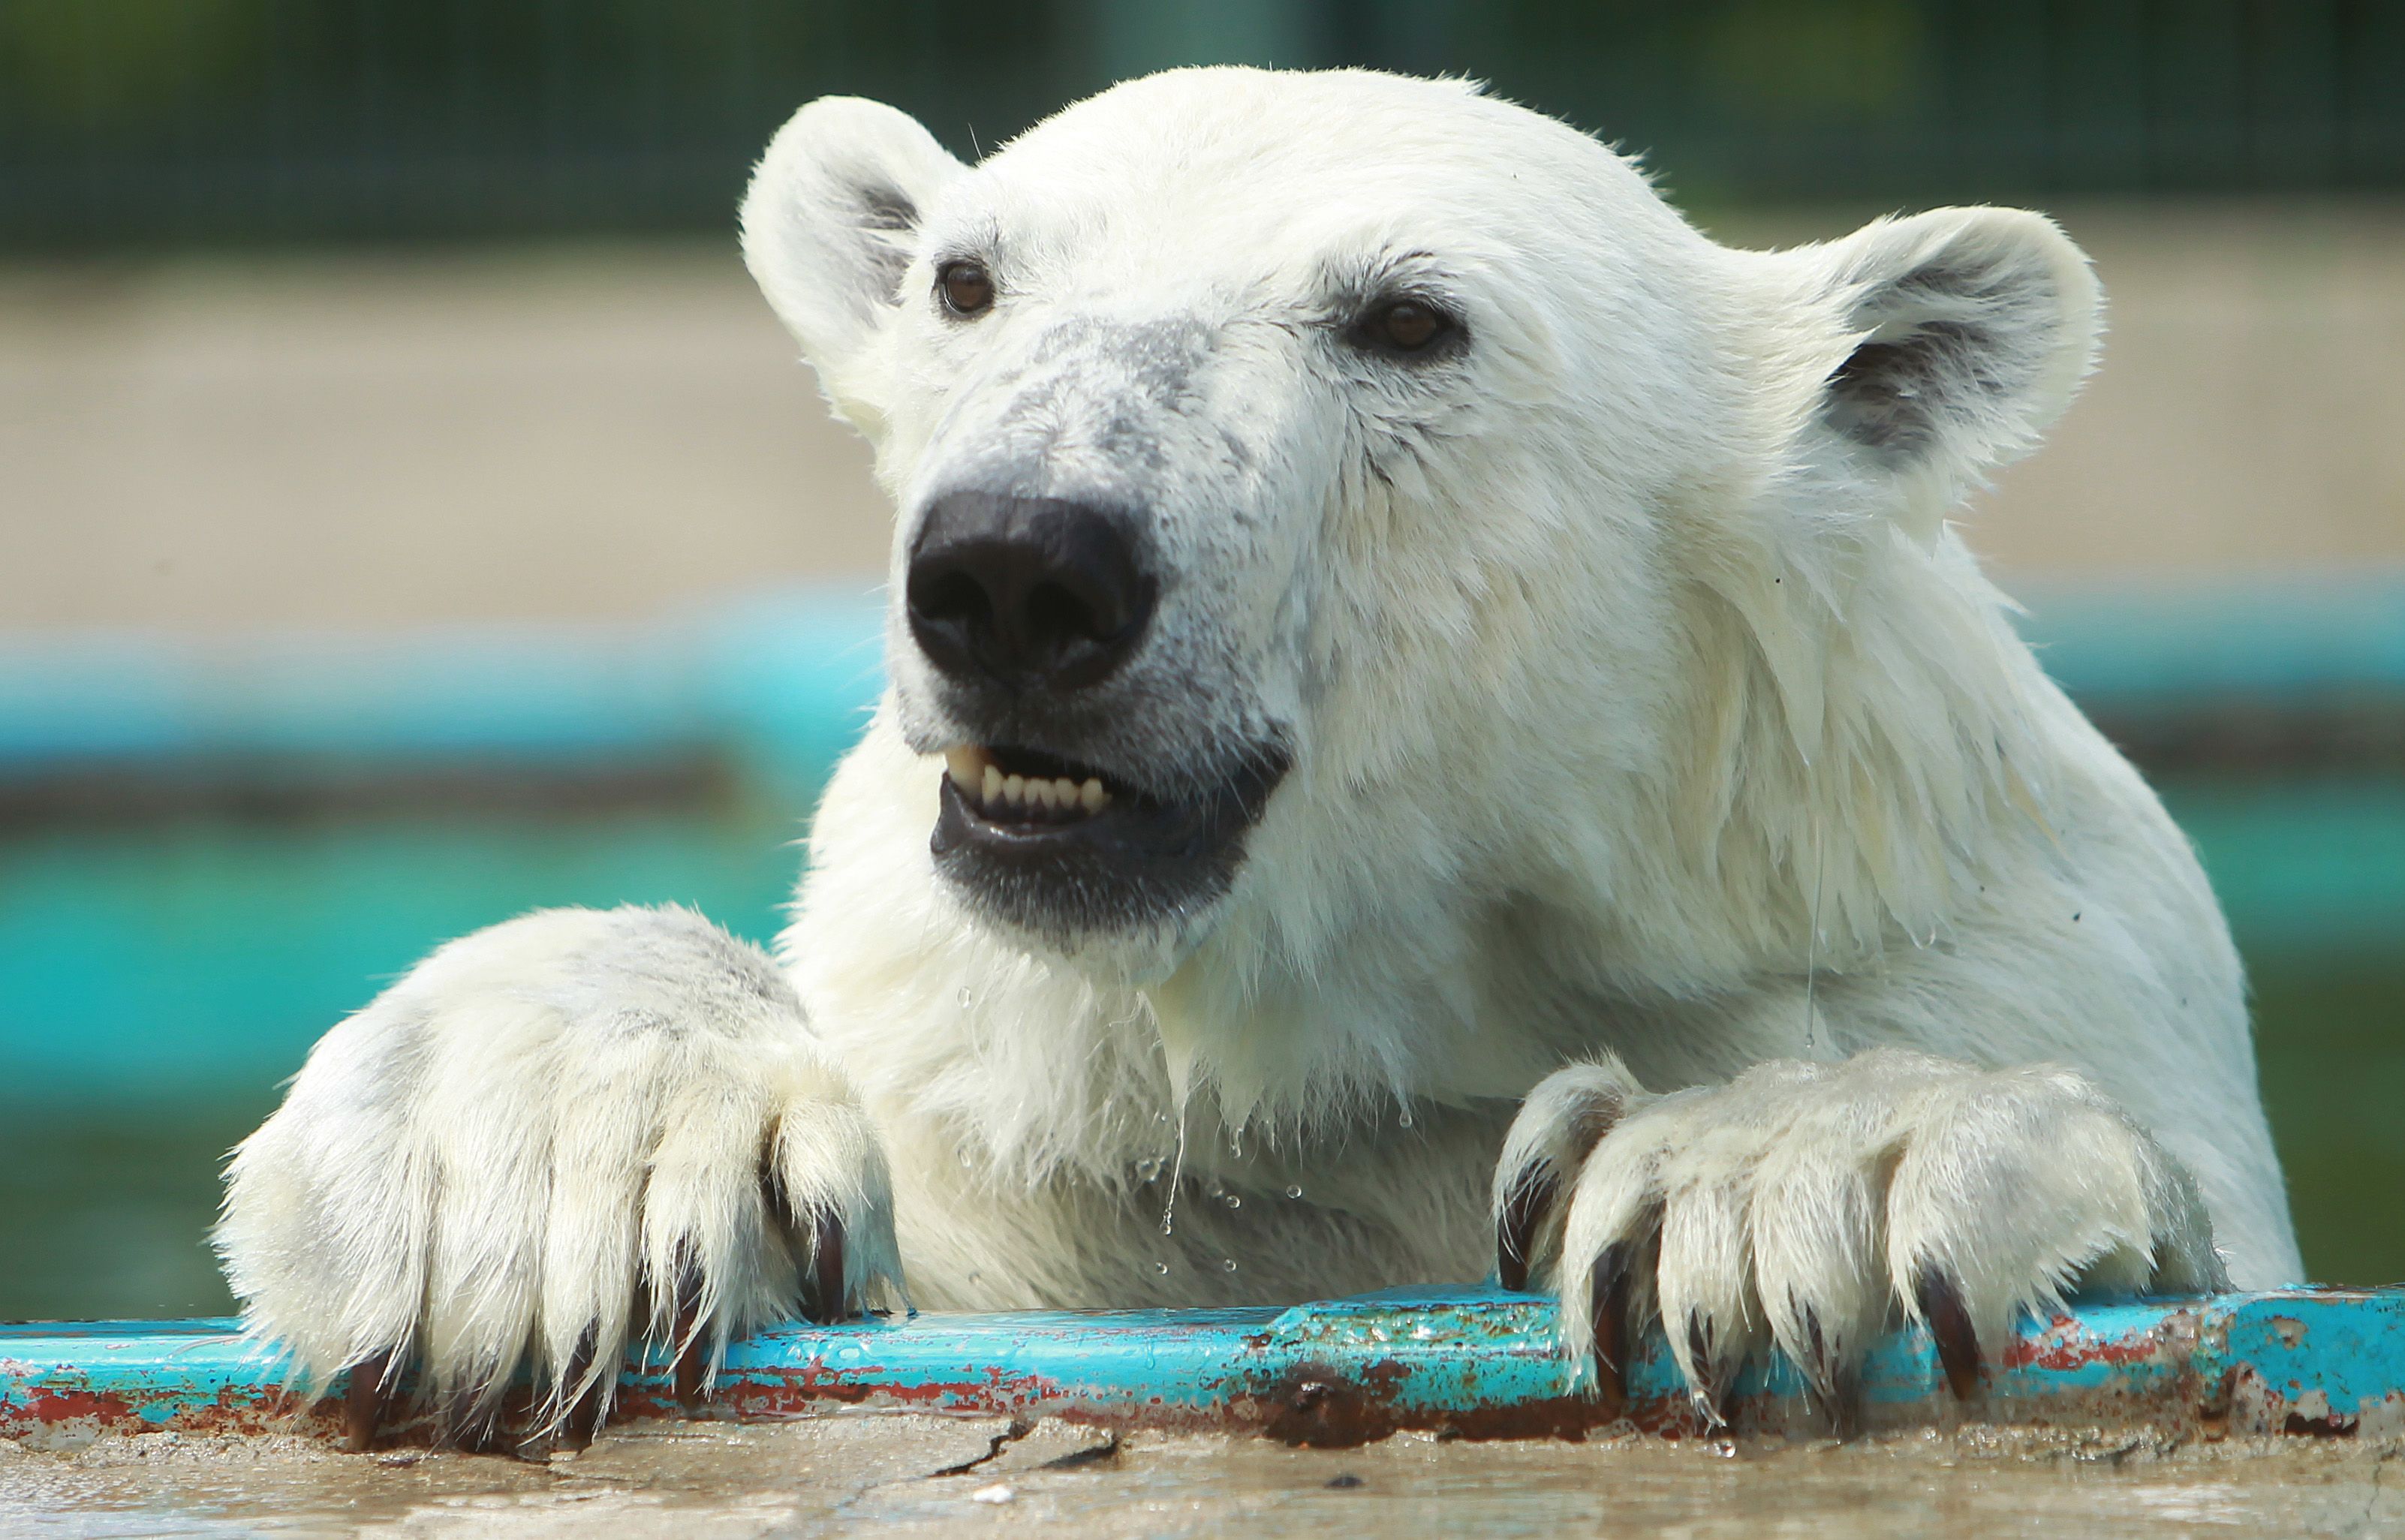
[831,218]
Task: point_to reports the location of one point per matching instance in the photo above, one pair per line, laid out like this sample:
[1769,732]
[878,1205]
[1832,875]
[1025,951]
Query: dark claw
[472,1427]
[1607,1291]
[1525,1208]
[1712,1394]
[692,1352]
[1701,1335]
[367,1402]
[1949,1327]
[1831,1383]
[823,1293]
[583,1419]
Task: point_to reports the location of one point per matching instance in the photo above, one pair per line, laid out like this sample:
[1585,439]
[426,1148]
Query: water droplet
[1294,1190]
[1168,1222]
[1219,1188]
[1161,1268]
[1406,1119]
[1150,1168]
[1235,1202]
[964,997]
[1228,1262]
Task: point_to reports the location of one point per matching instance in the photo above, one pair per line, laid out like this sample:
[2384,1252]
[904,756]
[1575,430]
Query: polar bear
[1436,726]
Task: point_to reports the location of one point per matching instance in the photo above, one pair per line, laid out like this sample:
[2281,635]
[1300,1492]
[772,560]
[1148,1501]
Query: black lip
[1141,859]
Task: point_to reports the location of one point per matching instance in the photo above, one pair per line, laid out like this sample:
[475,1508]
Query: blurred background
[409,515]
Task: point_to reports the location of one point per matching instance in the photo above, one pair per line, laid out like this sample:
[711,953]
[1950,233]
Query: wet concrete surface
[909,1475]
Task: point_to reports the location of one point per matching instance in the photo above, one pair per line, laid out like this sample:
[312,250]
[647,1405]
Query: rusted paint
[1477,1364]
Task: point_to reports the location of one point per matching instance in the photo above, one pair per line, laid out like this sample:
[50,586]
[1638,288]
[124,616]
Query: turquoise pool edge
[1465,1362]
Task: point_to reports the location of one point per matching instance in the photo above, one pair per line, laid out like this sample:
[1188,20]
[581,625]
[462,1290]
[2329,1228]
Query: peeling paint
[1473,1363]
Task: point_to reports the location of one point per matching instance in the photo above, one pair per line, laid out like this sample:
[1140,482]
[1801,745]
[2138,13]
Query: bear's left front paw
[1807,1205]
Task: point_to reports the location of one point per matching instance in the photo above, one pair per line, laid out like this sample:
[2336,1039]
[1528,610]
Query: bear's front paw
[549,1138]
[1809,1205]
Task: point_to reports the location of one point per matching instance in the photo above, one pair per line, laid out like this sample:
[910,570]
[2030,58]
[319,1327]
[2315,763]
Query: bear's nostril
[1034,593]
[952,597]
[1060,618]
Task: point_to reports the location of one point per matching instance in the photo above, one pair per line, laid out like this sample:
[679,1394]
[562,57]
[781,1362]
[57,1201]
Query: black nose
[1031,593]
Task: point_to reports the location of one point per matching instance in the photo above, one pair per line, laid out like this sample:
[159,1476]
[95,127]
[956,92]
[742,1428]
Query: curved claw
[1609,1288]
[822,1301]
[1949,1327]
[1532,1200]
[583,1419]
[367,1402]
[1709,1394]
[691,1355]
[822,1298]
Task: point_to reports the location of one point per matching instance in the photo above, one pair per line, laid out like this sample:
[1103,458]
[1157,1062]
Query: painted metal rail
[1467,1362]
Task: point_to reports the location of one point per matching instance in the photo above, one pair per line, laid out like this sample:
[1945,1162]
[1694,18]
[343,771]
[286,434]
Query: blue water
[189,956]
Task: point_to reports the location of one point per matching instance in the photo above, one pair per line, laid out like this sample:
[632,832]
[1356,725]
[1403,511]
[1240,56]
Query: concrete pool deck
[903,1473]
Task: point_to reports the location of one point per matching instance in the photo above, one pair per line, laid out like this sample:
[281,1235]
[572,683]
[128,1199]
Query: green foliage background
[147,121]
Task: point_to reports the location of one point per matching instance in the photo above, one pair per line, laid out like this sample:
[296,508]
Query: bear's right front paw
[549,1136]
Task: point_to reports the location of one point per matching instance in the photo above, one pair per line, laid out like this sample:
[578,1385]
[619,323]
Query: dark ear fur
[832,216]
[1969,332]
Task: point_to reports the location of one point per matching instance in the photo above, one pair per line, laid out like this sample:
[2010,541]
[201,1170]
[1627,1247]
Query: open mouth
[1064,847]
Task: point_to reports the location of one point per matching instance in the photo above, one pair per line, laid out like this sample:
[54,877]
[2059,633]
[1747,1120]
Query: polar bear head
[1334,495]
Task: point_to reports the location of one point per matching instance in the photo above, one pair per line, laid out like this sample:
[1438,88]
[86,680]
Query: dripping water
[1812,948]
[1177,1176]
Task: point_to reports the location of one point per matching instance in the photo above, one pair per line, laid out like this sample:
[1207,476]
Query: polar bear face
[1303,478]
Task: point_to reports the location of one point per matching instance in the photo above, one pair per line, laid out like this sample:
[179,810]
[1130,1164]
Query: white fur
[1647,717]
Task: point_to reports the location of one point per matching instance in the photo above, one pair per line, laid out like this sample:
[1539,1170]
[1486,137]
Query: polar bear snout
[1063,809]
[1027,593]
[1090,662]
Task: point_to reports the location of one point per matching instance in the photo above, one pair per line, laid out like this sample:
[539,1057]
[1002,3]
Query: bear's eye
[967,287]
[1405,326]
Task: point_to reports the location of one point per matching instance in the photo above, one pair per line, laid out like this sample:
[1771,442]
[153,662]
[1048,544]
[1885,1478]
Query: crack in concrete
[994,1445]
[2371,1499]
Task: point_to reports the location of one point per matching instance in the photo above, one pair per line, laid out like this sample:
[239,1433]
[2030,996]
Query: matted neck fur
[1437,722]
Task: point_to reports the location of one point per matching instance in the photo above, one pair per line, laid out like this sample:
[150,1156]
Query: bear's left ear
[832,216]
[1968,331]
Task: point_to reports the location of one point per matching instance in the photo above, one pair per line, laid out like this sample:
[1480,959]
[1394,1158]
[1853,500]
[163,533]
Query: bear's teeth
[968,766]
[984,782]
